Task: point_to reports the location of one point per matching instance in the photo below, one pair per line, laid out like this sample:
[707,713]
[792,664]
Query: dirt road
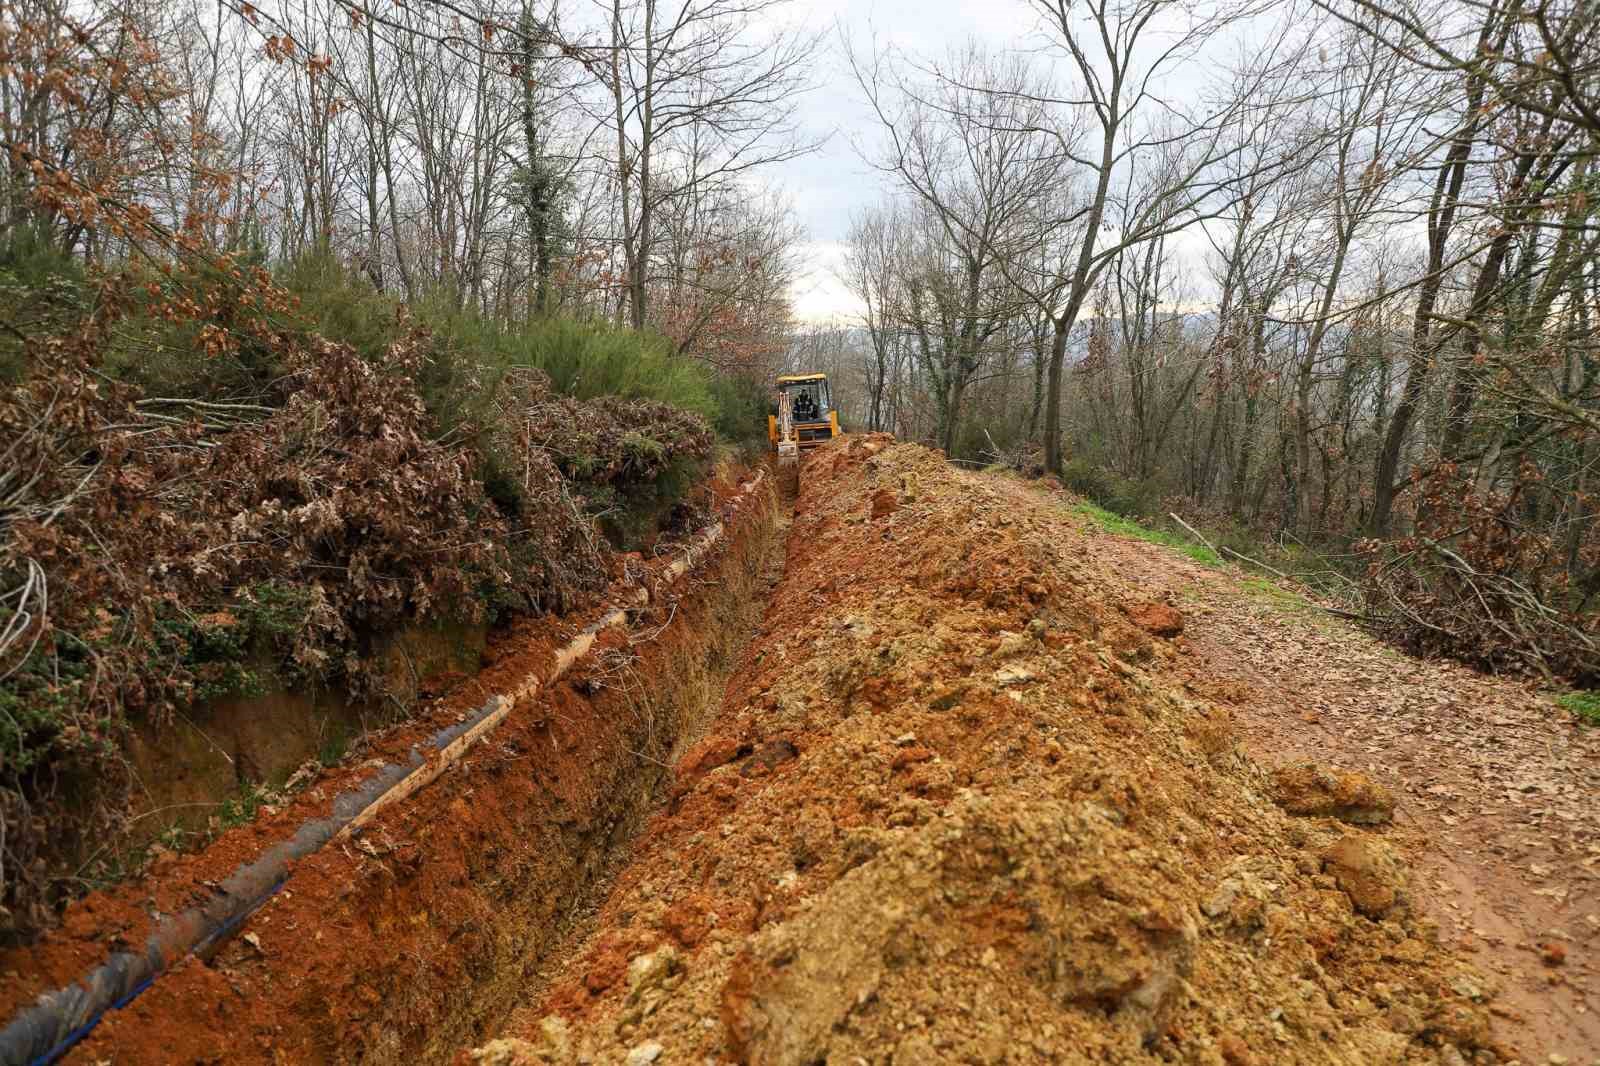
[1498,785]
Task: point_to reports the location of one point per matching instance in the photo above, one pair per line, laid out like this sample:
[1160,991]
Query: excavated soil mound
[952,811]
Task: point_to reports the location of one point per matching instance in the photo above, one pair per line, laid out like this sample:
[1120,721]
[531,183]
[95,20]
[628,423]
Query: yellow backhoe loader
[803,417]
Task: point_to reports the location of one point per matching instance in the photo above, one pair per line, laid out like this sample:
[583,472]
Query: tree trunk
[1052,398]
[1441,220]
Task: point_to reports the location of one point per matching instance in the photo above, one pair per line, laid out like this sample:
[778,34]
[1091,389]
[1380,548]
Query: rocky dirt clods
[1310,789]
[1494,785]
[996,834]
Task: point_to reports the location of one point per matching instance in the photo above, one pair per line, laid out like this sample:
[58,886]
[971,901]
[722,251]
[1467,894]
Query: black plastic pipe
[45,1032]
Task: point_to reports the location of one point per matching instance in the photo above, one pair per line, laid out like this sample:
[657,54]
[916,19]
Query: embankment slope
[404,941]
[954,810]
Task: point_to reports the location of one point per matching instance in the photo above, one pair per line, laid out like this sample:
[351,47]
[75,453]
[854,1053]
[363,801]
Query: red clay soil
[412,932]
[957,808]
[1497,785]
[125,914]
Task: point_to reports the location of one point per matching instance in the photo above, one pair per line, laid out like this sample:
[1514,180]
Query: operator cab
[808,396]
[810,406]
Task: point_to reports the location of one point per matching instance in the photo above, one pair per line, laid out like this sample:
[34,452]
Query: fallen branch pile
[151,546]
[1476,583]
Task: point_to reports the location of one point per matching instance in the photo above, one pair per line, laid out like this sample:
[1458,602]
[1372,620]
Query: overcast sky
[827,186]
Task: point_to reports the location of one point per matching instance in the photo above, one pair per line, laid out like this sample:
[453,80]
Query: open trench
[915,784]
[416,929]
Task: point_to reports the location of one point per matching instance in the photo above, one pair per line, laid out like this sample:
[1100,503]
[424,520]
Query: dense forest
[319,317]
[1315,275]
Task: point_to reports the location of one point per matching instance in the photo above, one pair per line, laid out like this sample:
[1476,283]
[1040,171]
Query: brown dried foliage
[123,528]
[1479,581]
[616,442]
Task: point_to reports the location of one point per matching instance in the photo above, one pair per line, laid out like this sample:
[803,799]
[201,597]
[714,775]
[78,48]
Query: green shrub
[992,437]
[1112,491]
[1238,538]
[584,359]
[587,360]
[1089,480]
[222,648]
[630,515]
[1586,705]
[339,305]
[37,706]
[741,417]
[240,808]
[165,356]
[29,257]
[638,448]
[41,290]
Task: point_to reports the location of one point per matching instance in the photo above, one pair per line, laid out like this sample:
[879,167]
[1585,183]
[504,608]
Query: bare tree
[1368,109]
[872,272]
[966,146]
[699,77]
[1120,53]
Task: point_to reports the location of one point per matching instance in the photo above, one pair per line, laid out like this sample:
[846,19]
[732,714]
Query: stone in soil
[644,1054]
[1157,619]
[1368,871]
[1314,790]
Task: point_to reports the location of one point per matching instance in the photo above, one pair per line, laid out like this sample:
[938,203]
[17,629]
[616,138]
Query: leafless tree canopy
[518,158]
[1321,270]
[1318,273]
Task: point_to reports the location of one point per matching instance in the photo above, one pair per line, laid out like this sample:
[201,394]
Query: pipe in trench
[45,1032]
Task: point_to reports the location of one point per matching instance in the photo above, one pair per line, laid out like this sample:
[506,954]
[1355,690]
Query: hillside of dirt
[1494,783]
[957,806]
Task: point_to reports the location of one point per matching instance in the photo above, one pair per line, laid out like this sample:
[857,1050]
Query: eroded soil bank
[956,808]
[407,941]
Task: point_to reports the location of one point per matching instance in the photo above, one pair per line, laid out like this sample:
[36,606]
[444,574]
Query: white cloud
[828,186]
[818,296]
